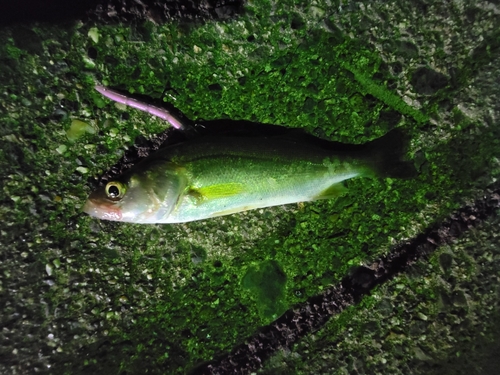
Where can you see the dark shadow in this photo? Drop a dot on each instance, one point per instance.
(51, 11)
(115, 11)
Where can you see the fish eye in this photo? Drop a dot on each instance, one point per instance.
(115, 190)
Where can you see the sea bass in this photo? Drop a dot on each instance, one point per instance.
(212, 176)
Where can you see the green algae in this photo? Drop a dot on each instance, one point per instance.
(266, 282)
(385, 95)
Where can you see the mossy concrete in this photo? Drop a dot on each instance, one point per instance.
(82, 296)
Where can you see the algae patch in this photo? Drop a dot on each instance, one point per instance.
(266, 282)
(78, 129)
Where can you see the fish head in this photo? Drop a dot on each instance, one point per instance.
(145, 196)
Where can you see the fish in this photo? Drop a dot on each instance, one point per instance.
(216, 175)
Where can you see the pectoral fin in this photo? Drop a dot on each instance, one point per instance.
(218, 191)
(333, 191)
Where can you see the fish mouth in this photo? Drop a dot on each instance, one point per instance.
(101, 210)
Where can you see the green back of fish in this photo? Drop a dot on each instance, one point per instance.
(234, 164)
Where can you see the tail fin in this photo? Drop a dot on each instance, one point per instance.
(385, 156)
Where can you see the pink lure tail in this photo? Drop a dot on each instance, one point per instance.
(148, 108)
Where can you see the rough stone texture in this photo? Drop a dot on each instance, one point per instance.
(81, 296)
(312, 315)
(453, 331)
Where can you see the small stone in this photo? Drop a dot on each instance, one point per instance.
(121, 106)
(62, 149)
(89, 64)
(82, 170)
(422, 316)
(123, 299)
(94, 34)
(77, 129)
(113, 132)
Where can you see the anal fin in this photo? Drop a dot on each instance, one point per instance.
(334, 191)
